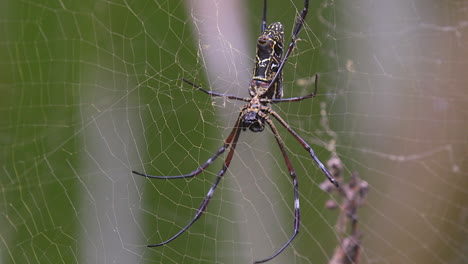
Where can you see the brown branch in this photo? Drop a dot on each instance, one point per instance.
(353, 194)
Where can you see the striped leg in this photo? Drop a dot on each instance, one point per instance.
(235, 134)
(292, 173)
(304, 144)
(204, 165)
(294, 99)
(297, 28)
(264, 23)
(217, 94)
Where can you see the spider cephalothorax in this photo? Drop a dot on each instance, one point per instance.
(265, 89)
(251, 117)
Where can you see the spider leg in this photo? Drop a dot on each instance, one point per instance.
(191, 174)
(205, 165)
(264, 23)
(215, 93)
(304, 144)
(294, 99)
(202, 208)
(292, 173)
(297, 28)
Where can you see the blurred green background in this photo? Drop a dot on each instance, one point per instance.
(92, 90)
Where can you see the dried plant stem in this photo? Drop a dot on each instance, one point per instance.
(352, 193)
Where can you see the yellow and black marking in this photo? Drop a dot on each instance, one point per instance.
(267, 61)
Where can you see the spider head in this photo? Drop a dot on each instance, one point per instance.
(253, 121)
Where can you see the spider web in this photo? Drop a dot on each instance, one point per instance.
(92, 90)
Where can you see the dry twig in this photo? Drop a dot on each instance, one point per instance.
(353, 193)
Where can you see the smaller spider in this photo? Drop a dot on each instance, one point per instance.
(265, 88)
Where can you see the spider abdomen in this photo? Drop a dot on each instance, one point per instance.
(267, 61)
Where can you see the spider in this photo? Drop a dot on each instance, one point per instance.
(265, 89)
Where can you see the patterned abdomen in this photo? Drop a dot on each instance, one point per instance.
(267, 60)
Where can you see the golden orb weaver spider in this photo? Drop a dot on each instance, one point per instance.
(265, 89)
